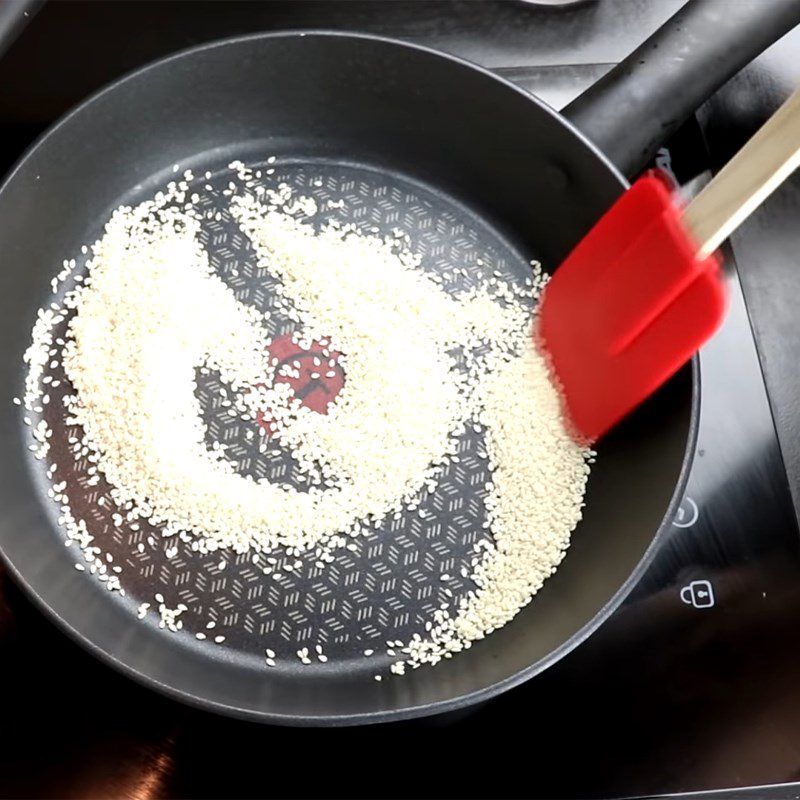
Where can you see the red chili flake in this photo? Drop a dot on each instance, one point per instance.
(312, 383)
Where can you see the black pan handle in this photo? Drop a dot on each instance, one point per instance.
(635, 107)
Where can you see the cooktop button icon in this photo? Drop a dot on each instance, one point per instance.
(699, 594)
(687, 513)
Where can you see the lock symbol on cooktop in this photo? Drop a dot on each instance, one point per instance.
(699, 594)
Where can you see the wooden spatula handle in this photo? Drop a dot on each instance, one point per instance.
(747, 179)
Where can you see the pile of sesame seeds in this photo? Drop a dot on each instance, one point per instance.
(457, 362)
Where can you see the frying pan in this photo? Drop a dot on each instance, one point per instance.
(467, 165)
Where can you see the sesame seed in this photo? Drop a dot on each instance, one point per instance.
(467, 359)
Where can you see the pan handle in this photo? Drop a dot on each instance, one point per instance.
(635, 107)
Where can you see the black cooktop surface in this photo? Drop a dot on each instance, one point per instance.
(690, 686)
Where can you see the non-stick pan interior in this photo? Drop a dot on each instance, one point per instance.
(469, 168)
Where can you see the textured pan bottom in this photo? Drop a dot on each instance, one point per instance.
(387, 587)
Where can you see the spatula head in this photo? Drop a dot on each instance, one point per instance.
(627, 308)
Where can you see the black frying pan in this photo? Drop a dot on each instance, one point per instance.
(404, 134)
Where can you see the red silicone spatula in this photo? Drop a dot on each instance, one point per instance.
(643, 290)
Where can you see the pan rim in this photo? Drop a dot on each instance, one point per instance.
(423, 709)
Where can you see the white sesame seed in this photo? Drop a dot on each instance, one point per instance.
(143, 269)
